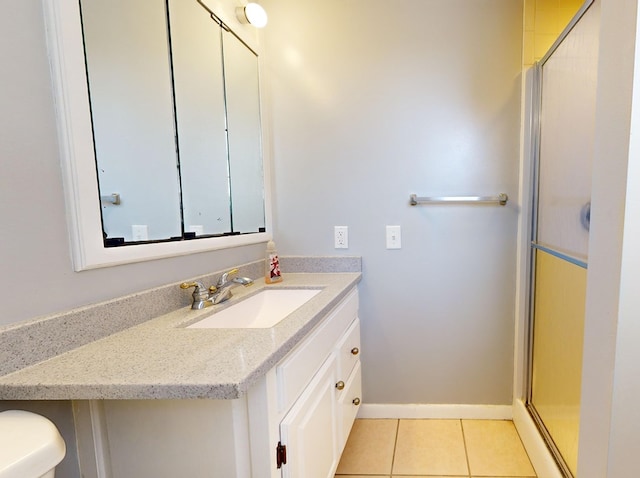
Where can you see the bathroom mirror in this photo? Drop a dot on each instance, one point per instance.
(196, 43)
(163, 117)
(174, 106)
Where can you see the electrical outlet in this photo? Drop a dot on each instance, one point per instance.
(341, 237)
(394, 238)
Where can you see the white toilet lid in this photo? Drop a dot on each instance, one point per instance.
(30, 445)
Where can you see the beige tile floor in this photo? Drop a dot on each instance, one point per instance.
(434, 449)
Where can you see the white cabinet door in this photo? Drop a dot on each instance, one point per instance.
(309, 429)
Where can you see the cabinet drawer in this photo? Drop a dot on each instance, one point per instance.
(299, 367)
(349, 350)
(347, 409)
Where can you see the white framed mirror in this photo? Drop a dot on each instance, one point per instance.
(83, 181)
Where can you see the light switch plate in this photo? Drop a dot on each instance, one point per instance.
(394, 237)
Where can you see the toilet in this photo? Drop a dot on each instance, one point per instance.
(30, 445)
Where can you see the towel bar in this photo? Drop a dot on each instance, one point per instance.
(501, 199)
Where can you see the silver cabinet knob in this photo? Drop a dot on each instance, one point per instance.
(340, 385)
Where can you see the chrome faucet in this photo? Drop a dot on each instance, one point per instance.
(223, 288)
(203, 297)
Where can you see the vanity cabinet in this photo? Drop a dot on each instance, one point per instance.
(292, 423)
(308, 433)
(315, 416)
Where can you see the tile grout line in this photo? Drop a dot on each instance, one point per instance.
(525, 450)
(466, 452)
(395, 448)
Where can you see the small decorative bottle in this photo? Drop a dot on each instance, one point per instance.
(272, 265)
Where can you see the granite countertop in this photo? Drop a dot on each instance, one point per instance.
(161, 359)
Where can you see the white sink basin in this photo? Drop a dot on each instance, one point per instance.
(260, 311)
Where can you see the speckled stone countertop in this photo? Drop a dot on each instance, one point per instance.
(161, 359)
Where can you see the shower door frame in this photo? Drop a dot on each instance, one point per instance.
(535, 147)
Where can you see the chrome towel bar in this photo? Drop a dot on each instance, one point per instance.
(501, 199)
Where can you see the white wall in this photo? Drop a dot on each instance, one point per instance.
(371, 101)
(610, 387)
(625, 417)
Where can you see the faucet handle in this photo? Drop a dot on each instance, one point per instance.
(186, 285)
(199, 290)
(225, 277)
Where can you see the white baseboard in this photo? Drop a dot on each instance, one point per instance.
(416, 411)
(539, 454)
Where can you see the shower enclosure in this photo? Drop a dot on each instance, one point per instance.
(564, 85)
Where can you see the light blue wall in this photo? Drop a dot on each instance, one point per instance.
(370, 101)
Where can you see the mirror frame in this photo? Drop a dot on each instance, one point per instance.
(75, 136)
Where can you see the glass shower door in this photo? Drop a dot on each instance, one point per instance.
(567, 83)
